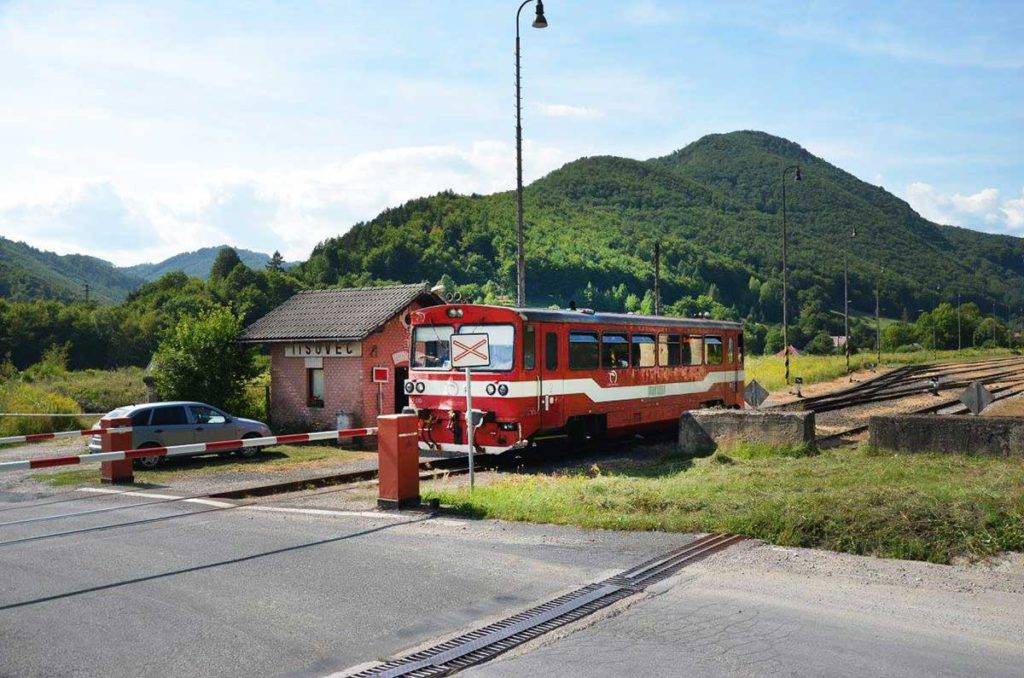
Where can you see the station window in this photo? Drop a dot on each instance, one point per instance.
(315, 386)
(551, 351)
(583, 351)
(614, 351)
(529, 347)
(713, 350)
(643, 351)
(696, 346)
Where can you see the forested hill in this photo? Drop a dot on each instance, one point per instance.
(195, 264)
(715, 206)
(27, 273)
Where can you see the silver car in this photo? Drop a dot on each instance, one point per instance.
(183, 423)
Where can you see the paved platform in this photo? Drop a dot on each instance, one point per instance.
(215, 591)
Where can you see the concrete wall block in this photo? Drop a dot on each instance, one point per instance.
(950, 434)
(704, 431)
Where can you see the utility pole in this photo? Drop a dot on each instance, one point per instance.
(657, 278)
(846, 299)
(878, 320)
(87, 293)
(959, 330)
(785, 268)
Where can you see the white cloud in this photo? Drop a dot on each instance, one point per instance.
(647, 13)
(567, 111)
(982, 209)
(272, 209)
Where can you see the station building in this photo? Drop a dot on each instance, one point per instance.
(339, 357)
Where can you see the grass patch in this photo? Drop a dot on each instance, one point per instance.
(280, 459)
(19, 397)
(920, 507)
(770, 371)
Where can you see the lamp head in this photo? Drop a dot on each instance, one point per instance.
(540, 21)
(799, 176)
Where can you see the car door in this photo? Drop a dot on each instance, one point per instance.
(211, 425)
(171, 425)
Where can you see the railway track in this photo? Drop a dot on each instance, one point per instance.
(910, 381)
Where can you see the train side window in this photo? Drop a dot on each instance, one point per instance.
(529, 347)
(713, 350)
(696, 349)
(614, 351)
(643, 350)
(551, 351)
(669, 350)
(583, 351)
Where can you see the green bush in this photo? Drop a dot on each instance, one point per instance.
(201, 359)
(18, 397)
(99, 390)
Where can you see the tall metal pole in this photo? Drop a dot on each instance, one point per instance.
(539, 22)
(657, 278)
(959, 332)
(878, 322)
(785, 269)
(846, 306)
(470, 429)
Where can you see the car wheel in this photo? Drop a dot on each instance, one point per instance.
(250, 452)
(148, 463)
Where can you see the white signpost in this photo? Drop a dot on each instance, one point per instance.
(469, 351)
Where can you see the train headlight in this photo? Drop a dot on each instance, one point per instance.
(409, 387)
(454, 312)
(491, 388)
(420, 387)
(503, 390)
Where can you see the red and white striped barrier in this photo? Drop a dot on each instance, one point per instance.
(179, 450)
(36, 437)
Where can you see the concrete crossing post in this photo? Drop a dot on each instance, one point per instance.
(398, 461)
(116, 472)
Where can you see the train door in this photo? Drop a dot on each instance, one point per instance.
(551, 386)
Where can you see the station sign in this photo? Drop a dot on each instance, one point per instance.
(381, 375)
(470, 350)
(324, 349)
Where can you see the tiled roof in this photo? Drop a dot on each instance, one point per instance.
(343, 314)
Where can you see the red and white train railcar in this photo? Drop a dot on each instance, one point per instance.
(567, 373)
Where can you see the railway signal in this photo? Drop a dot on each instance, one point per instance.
(976, 397)
(469, 351)
(755, 394)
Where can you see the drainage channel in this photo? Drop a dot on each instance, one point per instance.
(490, 641)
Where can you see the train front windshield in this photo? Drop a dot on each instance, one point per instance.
(431, 346)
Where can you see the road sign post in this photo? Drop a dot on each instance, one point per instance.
(469, 351)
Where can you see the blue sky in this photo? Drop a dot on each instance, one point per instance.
(134, 131)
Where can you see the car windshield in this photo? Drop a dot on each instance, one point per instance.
(430, 347)
(501, 340)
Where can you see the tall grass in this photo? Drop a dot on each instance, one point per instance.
(97, 390)
(770, 371)
(28, 398)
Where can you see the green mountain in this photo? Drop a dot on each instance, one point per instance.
(27, 273)
(194, 264)
(715, 207)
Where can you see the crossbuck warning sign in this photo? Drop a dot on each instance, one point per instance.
(470, 350)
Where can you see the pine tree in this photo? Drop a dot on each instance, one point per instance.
(276, 262)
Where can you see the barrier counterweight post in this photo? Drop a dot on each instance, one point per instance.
(398, 461)
(116, 472)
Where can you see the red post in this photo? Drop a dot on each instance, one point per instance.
(398, 461)
(116, 472)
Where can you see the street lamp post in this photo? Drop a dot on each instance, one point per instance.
(539, 22)
(785, 266)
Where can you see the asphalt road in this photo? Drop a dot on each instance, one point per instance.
(758, 610)
(246, 591)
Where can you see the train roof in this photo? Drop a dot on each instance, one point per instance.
(602, 318)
